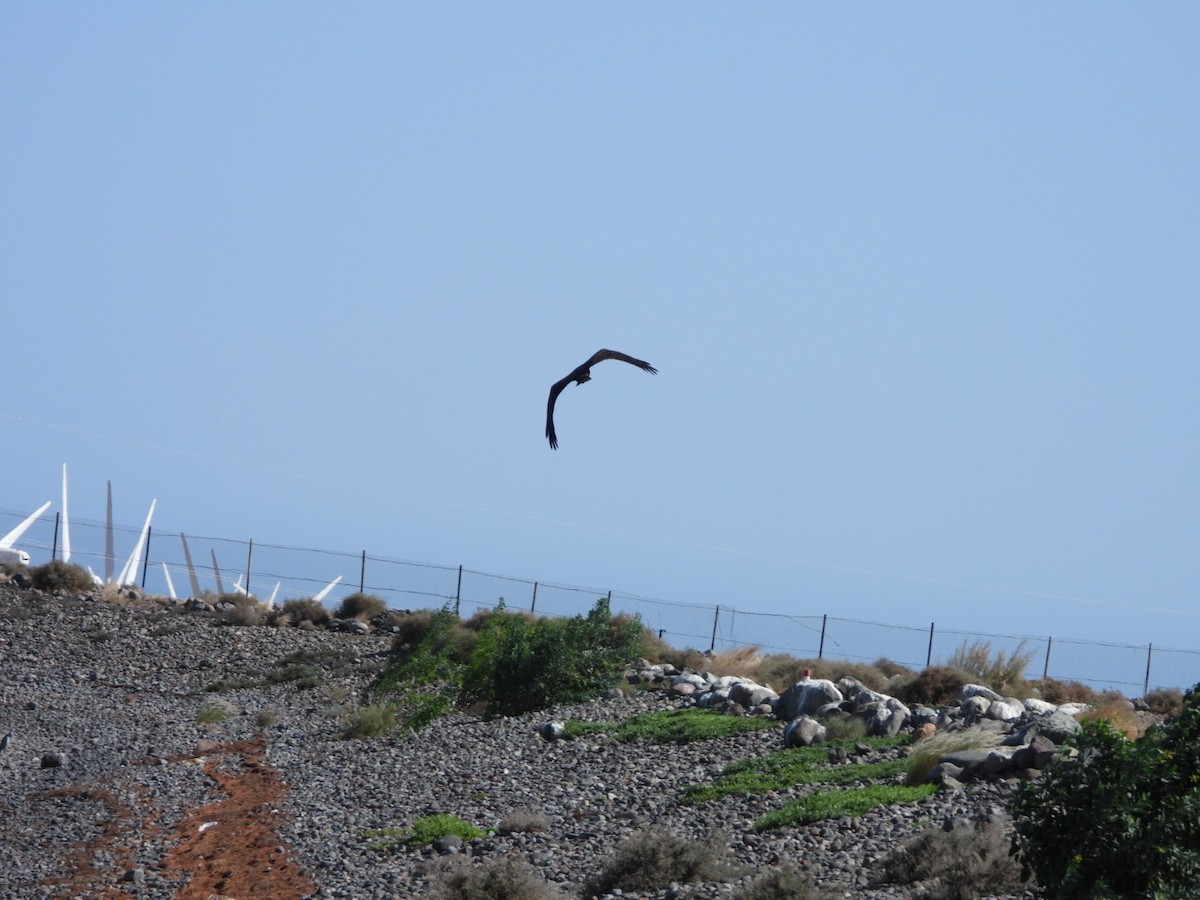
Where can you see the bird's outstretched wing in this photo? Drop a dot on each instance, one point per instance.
(554, 392)
(601, 355)
(580, 374)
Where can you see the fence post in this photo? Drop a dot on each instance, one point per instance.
(146, 561)
(533, 603)
(249, 560)
(54, 549)
(929, 652)
(458, 593)
(1146, 683)
(821, 650)
(1046, 664)
(713, 643)
(362, 573)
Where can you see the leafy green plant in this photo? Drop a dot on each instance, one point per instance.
(423, 832)
(651, 860)
(519, 665)
(836, 804)
(1121, 818)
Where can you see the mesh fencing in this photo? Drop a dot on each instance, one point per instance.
(222, 565)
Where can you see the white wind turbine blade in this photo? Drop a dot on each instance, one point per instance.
(217, 573)
(238, 589)
(191, 569)
(129, 573)
(170, 583)
(13, 536)
(66, 525)
(95, 577)
(108, 541)
(325, 590)
(274, 593)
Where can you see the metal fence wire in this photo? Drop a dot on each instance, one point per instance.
(222, 565)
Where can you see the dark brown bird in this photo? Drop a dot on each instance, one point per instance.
(579, 376)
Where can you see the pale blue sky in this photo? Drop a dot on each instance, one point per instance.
(920, 283)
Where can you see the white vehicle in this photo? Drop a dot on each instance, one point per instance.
(8, 554)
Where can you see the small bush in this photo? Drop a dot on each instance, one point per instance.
(57, 575)
(1119, 714)
(651, 860)
(1164, 701)
(782, 884)
(360, 606)
(213, 713)
(961, 864)
(423, 832)
(934, 686)
(522, 820)
(1004, 674)
(1121, 817)
(837, 804)
(1059, 692)
(241, 609)
(267, 718)
(295, 612)
(508, 879)
(369, 722)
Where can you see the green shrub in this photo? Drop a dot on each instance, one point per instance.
(1122, 818)
(424, 831)
(57, 575)
(671, 726)
(961, 864)
(360, 606)
(212, 713)
(651, 860)
(369, 722)
(519, 665)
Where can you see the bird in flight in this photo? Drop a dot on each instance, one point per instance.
(581, 374)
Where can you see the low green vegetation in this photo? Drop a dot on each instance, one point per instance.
(673, 726)
(836, 804)
(370, 721)
(784, 769)
(1122, 817)
(422, 833)
(505, 663)
(212, 713)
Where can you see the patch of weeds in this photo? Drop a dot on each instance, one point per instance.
(212, 713)
(522, 820)
(267, 718)
(651, 860)
(782, 884)
(675, 726)
(303, 676)
(925, 754)
(961, 864)
(784, 769)
(837, 804)
(508, 879)
(369, 722)
(422, 833)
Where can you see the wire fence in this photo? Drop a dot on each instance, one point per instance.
(222, 565)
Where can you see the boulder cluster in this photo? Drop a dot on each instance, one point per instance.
(1006, 736)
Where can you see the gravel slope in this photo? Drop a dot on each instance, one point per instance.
(147, 802)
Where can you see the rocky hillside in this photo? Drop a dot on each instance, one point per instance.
(156, 753)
